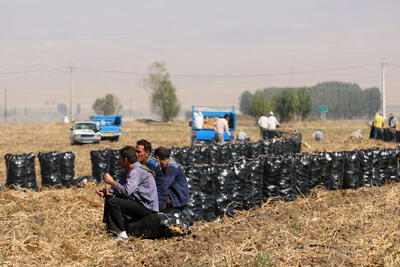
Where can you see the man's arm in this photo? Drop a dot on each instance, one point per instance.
(227, 128)
(126, 189)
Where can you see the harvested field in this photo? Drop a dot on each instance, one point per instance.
(63, 227)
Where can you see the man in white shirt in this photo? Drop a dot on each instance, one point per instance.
(263, 124)
(272, 122)
(220, 126)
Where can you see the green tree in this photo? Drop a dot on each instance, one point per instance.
(163, 94)
(244, 102)
(305, 103)
(108, 105)
(286, 103)
(259, 105)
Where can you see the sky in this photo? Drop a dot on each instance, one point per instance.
(213, 50)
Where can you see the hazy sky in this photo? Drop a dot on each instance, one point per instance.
(214, 50)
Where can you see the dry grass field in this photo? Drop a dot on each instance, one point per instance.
(327, 228)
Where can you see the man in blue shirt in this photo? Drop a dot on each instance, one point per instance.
(135, 196)
(173, 181)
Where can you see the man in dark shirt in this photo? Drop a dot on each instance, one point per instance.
(173, 181)
(134, 196)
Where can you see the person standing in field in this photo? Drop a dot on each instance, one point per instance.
(220, 126)
(132, 198)
(393, 127)
(378, 124)
(263, 124)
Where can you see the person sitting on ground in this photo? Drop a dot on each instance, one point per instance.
(356, 135)
(133, 197)
(242, 137)
(378, 124)
(174, 181)
(143, 151)
(318, 135)
(220, 126)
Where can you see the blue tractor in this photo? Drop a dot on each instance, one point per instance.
(203, 118)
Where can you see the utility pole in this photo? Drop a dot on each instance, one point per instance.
(71, 109)
(383, 90)
(5, 105)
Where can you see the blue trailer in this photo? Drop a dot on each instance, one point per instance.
(109, 126)
(200, 134)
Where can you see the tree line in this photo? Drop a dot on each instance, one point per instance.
(343, 100)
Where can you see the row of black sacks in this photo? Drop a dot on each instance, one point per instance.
(56, 169)
(217, 190)
(221, 154)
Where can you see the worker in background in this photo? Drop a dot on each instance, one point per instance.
(174, 181)
(393, 127)
(356, 135)
(263, 124)
(378, 124)
(272, 124)
(220, 126)
(318, 135)
(242, 137)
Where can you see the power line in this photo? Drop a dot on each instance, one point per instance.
(198, 75)
(31, 71)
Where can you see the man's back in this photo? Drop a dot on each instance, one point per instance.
(378, 121)
(221, 125)
(272, 122)
(178, 189)
(263, 122)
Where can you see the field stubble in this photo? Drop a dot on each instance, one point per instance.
(63, 227)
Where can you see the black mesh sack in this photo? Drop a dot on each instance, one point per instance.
(240, 183)
(272, 176)
(115, 169)
(316, 166)
(366, 163)
(164, 225)
(50, 168)
(194, 206)
(287, 188)
(100, 163)
(67, 168)
(301, 172)
(351, 178)
(214, 153)
(255, 185)
(224, 185)
(21, 171)
(207, 195)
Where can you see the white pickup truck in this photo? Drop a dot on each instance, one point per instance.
(85, 132)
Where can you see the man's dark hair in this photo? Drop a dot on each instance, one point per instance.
(226, 116)
(162, 153)
(146, 144)
(129, 153)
